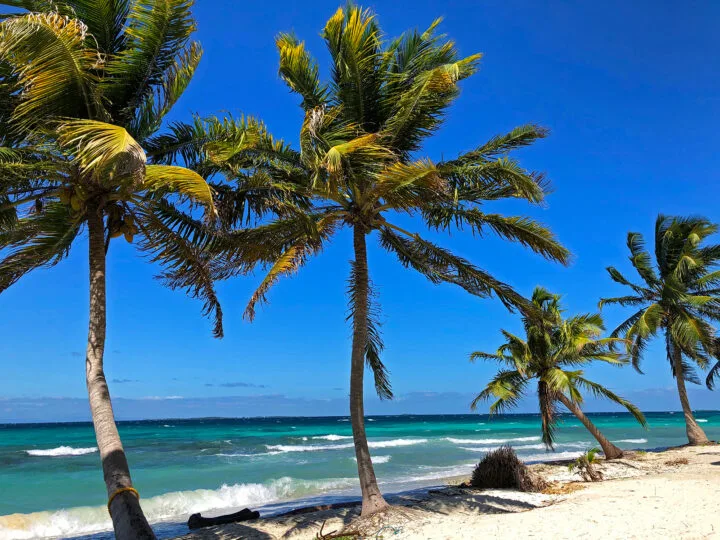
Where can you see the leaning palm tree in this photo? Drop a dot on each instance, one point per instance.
(356, 168)
(551, 351)
(86, 84)
(679, 297)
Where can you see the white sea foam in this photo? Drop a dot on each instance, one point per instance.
(62, 451)
(702, 420)
(396, 442)
(176, 505)
(490, 441)
(378, 459)
(322, 447)
(332, 437)
(632, 441)
(306, 447)
(538, 446)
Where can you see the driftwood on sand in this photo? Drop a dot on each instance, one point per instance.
(196, 521)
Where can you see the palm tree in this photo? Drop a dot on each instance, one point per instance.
(356, 168)
(551, 351)
(678, 297)
(85, 85)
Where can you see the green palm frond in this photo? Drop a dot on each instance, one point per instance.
(158, 103)
(525, 231)
(640, 259)
(156, 32)
(501, 178)
(500, 145)
(97, 145)
(439, 265)
(600, 391)
(300, 71)
(290, 256)
(353, 39)
(507, 388)
(622, 301)
(55, 68)
(181, 181)
(41, 239)
(176, 242)
(105, 20)
(712, 376)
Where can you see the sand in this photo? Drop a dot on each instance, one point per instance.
(647, 495)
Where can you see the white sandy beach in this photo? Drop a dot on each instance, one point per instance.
(653, 495)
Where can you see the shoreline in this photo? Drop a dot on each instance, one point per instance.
(448, 511)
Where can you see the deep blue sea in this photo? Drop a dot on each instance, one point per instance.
(51, 482)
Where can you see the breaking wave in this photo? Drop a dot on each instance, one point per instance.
(332, 437)
(322, 447)
(176, 505)
(491, 441)
(62, 451)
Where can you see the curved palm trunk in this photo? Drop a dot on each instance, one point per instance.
(372, 499)
(609, 449)
(128, 519)
(695, 433)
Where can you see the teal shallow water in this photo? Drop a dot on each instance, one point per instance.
(51, 472)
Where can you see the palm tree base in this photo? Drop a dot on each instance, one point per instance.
(373, 505)
(697, 437)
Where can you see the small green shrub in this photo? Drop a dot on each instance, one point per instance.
(585, 466)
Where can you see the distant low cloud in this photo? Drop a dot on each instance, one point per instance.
(157, 407)
(237, 385)
(124, 381)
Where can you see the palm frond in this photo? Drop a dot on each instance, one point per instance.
(39, 240)
(439, 265)
(156, 32)
(96, 146)
(507, 388)
(300, 71)
(176, 241)
(525, 231)
(55, 68)
(374, 345)
(181, 181)
(600, 391)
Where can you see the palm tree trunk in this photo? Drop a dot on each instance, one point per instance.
(372, 499)
(609, 449)
(695, 433)
(128, 519)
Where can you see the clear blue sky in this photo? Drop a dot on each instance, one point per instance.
(631, 92)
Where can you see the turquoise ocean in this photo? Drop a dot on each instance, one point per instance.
(50, 476)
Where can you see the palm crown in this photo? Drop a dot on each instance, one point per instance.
(85, 86)
(355, 165)
(553, 349)
(679, 295)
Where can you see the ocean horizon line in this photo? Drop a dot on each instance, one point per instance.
(337, 416)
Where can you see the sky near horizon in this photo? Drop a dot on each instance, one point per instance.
(631, 94)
